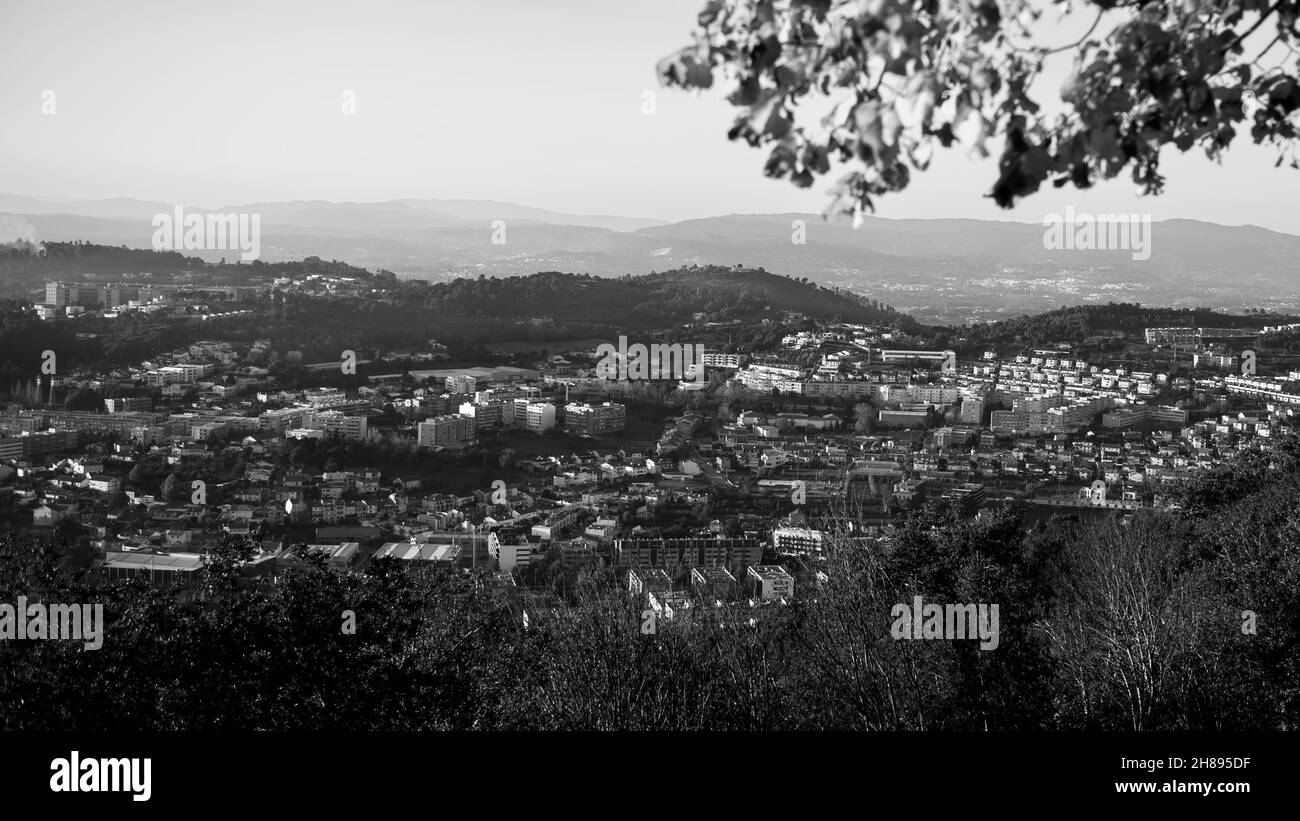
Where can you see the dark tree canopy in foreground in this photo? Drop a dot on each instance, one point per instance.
(910, 74)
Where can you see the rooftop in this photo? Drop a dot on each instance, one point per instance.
(419, 552)
(174, 561)
(769, 571)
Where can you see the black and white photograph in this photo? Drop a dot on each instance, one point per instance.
(769, 398)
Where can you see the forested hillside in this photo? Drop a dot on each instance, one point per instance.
(655, 299)
(651, 300)
(24, 265)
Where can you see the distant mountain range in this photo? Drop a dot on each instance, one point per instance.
(943, 270)
(389, 216)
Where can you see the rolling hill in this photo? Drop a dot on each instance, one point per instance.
(943, 270)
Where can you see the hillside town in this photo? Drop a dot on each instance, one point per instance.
(726, 483)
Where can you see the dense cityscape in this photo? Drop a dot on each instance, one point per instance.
(720, 485)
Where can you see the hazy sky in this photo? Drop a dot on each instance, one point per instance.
(537, 102)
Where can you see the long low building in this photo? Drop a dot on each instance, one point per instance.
(433, 554)
(162, 569)
(32, 445)
(491, 373)
(83, 421)
(1261, 386)
(1144, 414)
(905, 356)
(692, 551)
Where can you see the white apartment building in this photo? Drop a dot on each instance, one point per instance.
(722, 360)
(187, 374)
(797, 540)
(450, 430)
(537, 417)
(509, 550)
(334, 423)
(460, 383)
(771, 581)
(607, 417)
(324, 397)
(766, 377)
